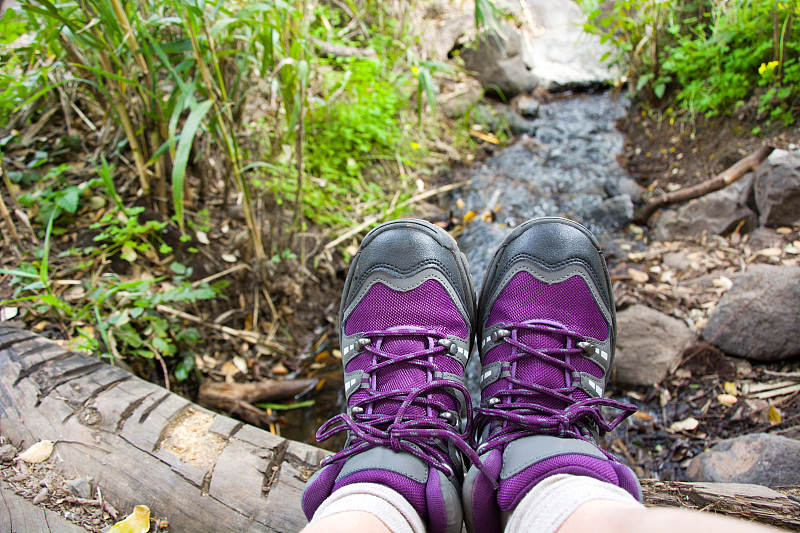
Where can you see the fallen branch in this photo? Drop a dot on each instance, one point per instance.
(238, 398)
(728, 176)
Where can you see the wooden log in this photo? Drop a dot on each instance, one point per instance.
(141, 444)
(206, 472)
(728, 176)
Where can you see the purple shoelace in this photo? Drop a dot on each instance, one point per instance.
(514, 417)
(405, 431)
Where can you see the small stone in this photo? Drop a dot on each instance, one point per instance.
(7, 453)
(648, 343)
(42, 496)
(80, 487)
(758, 458)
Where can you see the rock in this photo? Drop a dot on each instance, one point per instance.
(449, 33)
(80, 487)
(526, 105)
(777, 189)
(559, 54)
(716, 213)
(759, 316)
(760, 458)
(677, 260)
(648, 342)
(499, 65)
(624, 185)
(611, 214)
(761, 238)
(7, 453)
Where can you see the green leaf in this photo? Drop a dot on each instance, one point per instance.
(182, 155)
(285, 407)
(161, 345)
(68, 199)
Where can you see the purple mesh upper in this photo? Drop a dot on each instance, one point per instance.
(428, 306)
(412, 490)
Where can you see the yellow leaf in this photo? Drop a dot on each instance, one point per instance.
(730, 388)
(774, 415)
(726, 399)
(469, 216)
(460, 203)
(136, 522)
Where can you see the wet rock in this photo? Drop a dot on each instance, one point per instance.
(648, 343)
(777, 189)
(7, 453)
(716, 213)
(556, 49)
(501, 117)
(499, 65)
(80, 487)
(760, 458)
(624, 185)
(611, 214)
(526, 105)
(759, 316)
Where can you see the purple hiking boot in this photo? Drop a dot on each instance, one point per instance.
(546, 332)
(406, 332)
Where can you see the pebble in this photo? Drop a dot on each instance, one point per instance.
(80, 487)
(7, 453)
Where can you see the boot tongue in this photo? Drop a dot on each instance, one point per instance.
(534, 369)
(404, 375)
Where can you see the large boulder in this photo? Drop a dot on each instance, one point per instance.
(716, 213)
(648, 343)
(759, 316)
(557, 50)
(760, 458)
(498, 63)
(777, 189)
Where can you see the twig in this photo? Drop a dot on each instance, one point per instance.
(247, 336)
(776, 392)
(237, 268)
(414, 199)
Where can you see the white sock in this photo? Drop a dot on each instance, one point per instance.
(389, 506)
(551, 502)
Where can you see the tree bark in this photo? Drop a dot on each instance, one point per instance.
(728, 176)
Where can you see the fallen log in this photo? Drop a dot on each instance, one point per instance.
(205, 472)
(140, 444)
(238, 398)
(728, 176)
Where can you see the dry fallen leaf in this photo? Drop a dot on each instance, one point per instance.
(136, 522)
(770, 252)
(460, 203)
(643, 415)
(202, 237)
(469, 215)
(726, 399)
(723, 283)
(229, 258)
(783, 230)
(638, 276)
(38, 452)
(689, 424)
(774, 415)
(280, 370)
(730, 388)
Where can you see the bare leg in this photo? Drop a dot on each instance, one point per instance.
(349, 522)
(600, 516)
